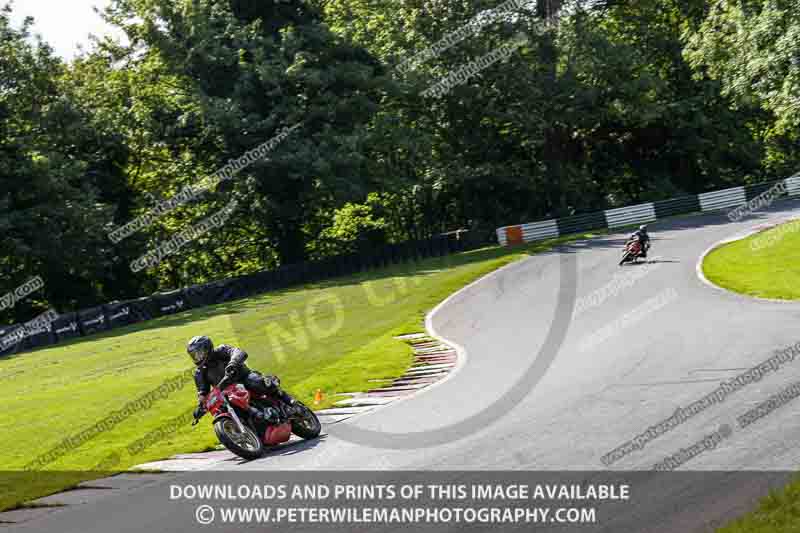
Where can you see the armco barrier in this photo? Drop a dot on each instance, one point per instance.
(751, 191)
(676, 206)
(635, 214)
(66, 327)
(793, 185)
(711, 201)
(168, 303)
(542, 230)
(578, 223)
(640, 213)
(12, 348)
(41, 338)
(118, 314)
(92, 320)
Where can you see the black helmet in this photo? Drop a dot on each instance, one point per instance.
(198, 348)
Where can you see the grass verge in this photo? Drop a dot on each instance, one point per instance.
(765, 265)
(779, 512)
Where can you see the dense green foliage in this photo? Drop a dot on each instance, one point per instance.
(754, 48)
(608, 103)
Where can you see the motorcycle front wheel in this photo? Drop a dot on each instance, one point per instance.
(246, 445)
(305, 423)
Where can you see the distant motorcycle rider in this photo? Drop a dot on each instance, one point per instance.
(644, 239)
(223, 366)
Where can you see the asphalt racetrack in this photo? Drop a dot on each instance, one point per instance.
(539, 389)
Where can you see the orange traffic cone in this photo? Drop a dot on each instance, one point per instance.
(318, 396)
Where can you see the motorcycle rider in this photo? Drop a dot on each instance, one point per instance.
(224, 365)
(643, 237)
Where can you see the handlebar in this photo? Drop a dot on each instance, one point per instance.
(205, 409)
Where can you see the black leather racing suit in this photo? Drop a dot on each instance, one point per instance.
(644, 239)
(212, 372)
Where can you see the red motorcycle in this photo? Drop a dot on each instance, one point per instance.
(247, 435)
(633, 249)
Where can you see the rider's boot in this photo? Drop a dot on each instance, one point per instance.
(286, 398)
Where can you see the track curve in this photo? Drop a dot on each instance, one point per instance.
(594, 398)
(598, 391)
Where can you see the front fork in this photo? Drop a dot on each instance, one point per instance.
(235, 417)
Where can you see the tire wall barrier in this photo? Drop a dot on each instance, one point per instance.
(641, 213)
(102, 318)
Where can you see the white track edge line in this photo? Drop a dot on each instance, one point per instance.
(701, 275)
(461, 352)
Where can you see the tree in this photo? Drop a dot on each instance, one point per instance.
(51, 211)
(753, 48)
(355, 228)
(258, 67)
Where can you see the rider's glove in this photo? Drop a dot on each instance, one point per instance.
(231, 369)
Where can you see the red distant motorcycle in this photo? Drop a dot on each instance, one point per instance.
(247, 435)
(633, 249)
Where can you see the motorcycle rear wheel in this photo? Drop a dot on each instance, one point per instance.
(246, 445)
(306, 425)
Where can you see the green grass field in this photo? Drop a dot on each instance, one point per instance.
(332, 336)
(766, 265)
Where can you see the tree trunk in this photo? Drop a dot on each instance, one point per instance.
(291, 243)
